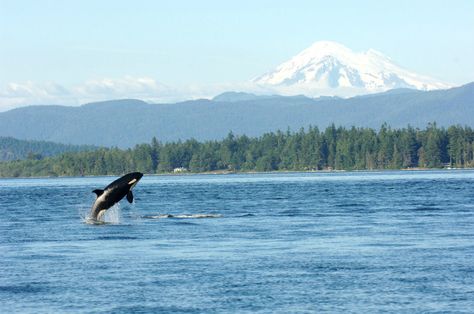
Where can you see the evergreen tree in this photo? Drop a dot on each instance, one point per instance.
(336, 148)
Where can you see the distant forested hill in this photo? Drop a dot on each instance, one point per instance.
(125, 123)
(333, 148)
(14, 149)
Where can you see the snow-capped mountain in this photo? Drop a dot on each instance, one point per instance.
(329, 68)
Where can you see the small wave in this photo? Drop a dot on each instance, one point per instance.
(21, 289)
(183, 216)
(246, 215)
(344, 205)
(116, 238)
(427, 208)
(289, 213)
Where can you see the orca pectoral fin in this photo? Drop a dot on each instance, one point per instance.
(130, 197)
(99, 192)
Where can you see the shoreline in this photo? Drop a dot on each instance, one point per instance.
(229, 172)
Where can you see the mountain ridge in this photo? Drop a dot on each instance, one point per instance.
(125, 123)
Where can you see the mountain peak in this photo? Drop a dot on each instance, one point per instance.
(330, 68)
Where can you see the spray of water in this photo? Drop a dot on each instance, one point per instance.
(113, 215)
(83, 211)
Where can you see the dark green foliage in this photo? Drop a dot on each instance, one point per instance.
(14, 149)
(334, 148)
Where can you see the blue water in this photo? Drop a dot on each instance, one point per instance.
(271, 243)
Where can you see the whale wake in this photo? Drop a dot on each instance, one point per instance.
(182, 216)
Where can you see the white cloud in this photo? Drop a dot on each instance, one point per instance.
(127, 86)
(196, 91)
(143, 88)
(29, 89)
(29, 93)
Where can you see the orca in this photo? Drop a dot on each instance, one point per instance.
(113, 193)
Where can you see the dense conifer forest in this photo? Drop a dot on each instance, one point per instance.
(335, 148)
(15, 149)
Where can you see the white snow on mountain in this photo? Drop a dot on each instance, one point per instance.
(329, 68)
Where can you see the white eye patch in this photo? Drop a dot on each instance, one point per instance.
(133, 181)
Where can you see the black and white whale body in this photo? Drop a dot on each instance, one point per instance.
(113, 193)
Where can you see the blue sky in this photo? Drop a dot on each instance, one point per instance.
(56, 45)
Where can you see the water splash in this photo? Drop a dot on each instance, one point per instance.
(113, 215)
(83, 211)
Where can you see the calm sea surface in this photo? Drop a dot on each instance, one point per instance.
(271, 243)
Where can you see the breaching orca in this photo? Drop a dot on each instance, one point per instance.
(113, 193)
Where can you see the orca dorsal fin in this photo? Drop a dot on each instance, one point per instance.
(130, 197)
(99, 192)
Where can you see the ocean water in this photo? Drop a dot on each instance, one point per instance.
(358, 242)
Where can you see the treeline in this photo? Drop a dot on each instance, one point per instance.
(311, 149)
(15, 149)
